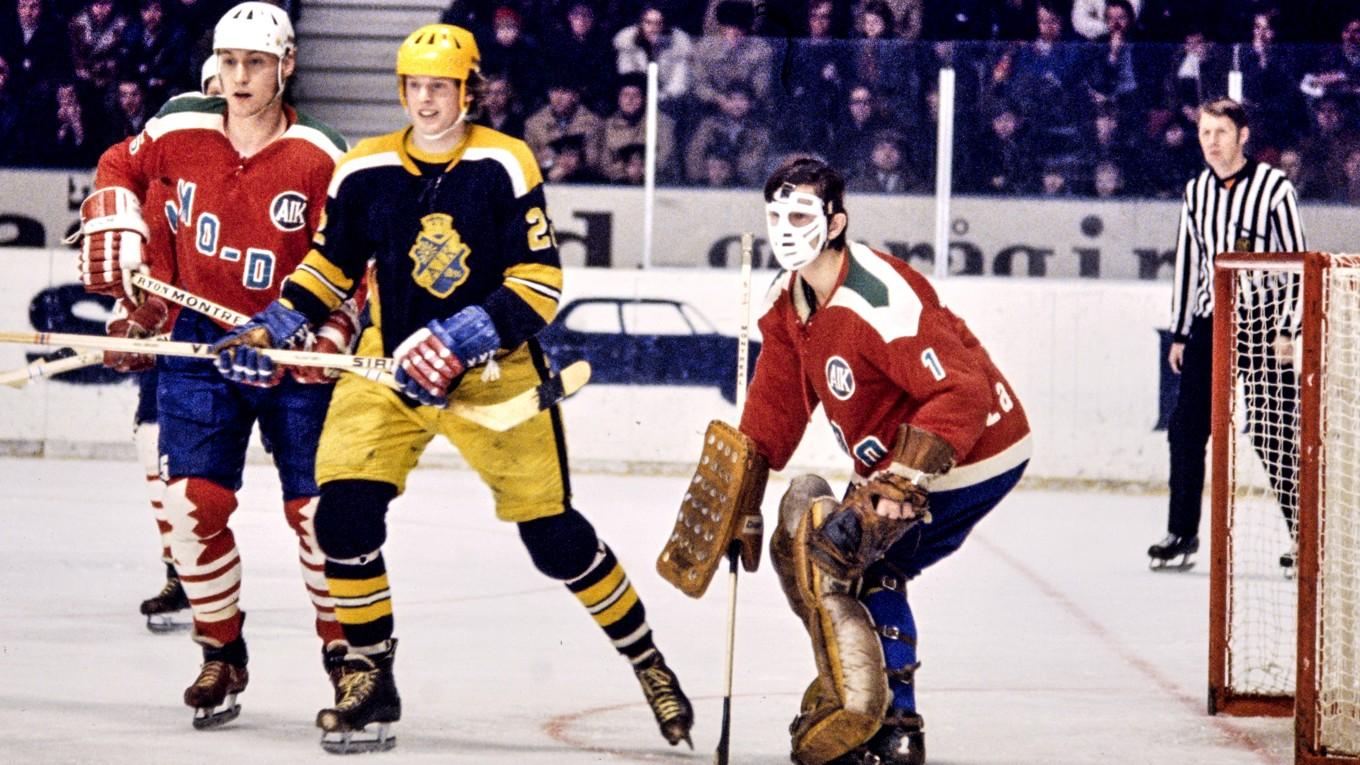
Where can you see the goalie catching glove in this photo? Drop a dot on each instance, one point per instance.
(138, 321)
(112, 234)
(877, 513)
(431, 362)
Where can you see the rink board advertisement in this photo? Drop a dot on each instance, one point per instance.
(602, 226)
(1084, 358)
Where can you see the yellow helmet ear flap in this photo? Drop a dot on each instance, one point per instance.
(437, 50)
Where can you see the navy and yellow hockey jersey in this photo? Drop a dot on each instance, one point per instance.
(444, 233)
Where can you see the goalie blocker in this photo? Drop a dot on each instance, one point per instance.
(722, 506)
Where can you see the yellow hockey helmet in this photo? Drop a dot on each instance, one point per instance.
(437, 50)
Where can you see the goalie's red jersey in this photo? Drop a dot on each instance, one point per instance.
(882, 352)
(237, 226)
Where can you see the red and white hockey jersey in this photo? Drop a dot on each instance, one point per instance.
(237, 226)
(882, 352)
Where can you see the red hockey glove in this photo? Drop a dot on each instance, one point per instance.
(131, 320)
(111, 247)
(338, 334)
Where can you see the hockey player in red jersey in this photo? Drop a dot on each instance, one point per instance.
(164, 610)
(246, 180)
(937, 439)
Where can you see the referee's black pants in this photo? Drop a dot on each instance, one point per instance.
(1270, 391)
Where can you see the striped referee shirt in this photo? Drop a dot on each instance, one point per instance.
(1256, 210)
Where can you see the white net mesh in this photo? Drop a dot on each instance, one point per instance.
(1338, 660)
(1263, 481)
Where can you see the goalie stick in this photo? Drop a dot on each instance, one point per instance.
(499, 417)
(734, 549)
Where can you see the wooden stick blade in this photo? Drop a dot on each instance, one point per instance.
(48, 368)
(519, 409)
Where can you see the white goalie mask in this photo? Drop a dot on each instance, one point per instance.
(795, 246)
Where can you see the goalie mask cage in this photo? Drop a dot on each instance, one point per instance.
(1286, 478)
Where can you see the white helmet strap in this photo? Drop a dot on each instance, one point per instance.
(795, 246)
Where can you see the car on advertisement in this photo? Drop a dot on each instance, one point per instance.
(645, 341)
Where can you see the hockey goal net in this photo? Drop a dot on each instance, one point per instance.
(1285, 572)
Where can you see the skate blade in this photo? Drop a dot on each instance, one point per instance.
(1166, 566)
(377, 737)
(162, 624)
(205, 718)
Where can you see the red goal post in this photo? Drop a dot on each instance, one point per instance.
(1286, 463)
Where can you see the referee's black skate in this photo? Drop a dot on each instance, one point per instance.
(674, 714)
(168, 610)
(1162, 556)
(361, 720)
(222, 676)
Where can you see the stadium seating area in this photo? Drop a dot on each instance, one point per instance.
(1090, 98)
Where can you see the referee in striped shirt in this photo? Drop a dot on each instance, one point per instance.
(1236, 204)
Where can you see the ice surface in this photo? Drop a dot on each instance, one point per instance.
(1044, 640)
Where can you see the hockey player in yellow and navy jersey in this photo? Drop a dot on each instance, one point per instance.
(464, 274)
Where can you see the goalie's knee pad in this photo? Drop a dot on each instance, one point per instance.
(562, 546)
(351, 517)
(845, 705)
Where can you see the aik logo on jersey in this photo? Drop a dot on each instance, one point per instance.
(839, 379)
(440, 255)
(288, 211)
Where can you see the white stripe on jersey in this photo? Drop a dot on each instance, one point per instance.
(188, 120)
(901, 317)
(518, 181)
(361, 163)
(315, 137)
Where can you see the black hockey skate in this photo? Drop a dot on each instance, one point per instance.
(674, 714)
(222, 676)
(1162, 556)
(333, 661)
(166, 611)
(901, 741)
(368, 704)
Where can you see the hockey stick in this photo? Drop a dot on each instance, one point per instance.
(44, 368)
(220, 312)
(369, 366)
(734, 549)
(47, 368)
(500, 416)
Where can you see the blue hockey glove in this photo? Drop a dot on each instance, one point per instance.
(434, 357)
(277, 326)
(244, 364)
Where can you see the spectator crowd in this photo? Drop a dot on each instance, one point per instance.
(1091, 98)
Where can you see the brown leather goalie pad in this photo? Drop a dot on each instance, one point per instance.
(845, 704)
(721, 506)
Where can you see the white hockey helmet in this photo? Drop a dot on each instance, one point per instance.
(255, 26)
(211, 68)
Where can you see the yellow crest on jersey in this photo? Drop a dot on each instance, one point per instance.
(440, 255)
